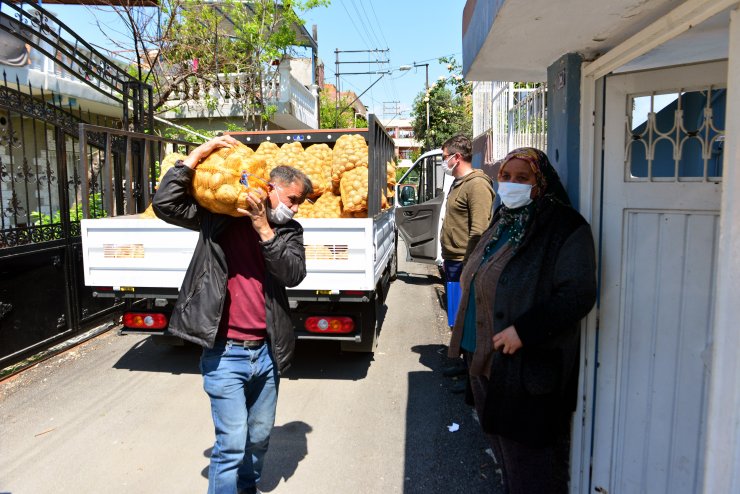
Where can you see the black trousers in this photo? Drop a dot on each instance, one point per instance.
(527, 469)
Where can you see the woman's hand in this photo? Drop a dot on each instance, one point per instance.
(257, 212)
(204, 150)
(507, 341)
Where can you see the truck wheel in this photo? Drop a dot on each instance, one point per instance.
(370, 329)
(394, 265)
(394, 261)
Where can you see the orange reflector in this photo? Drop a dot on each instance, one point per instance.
(145, 320)
(329, 324)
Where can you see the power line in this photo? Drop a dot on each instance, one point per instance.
(357, 30)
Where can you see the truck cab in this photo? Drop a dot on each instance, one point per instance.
(420, 206)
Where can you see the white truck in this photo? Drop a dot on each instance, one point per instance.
(350, 261)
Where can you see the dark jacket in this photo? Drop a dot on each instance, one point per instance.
(546, 288)
(200, 303)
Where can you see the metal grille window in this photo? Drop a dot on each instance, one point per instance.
(513, 113)
(675, 137)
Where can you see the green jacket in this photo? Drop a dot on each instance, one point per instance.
(468, 215)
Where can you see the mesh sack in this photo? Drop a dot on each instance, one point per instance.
(166, 163)
(327, 206)
(350, 152)
(267, 152)
(290, 154)
(305, 210)
(391, 173)
(318, 167)
(216, 183)
(353, 187)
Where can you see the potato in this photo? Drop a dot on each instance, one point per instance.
(216, 183)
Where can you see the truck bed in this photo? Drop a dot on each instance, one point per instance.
(130, 253)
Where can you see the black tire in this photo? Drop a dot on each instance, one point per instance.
(394, 262)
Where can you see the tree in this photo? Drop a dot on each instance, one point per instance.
(328, 114)
(450, 108)
(230, 47)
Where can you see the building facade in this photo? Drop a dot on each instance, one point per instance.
(642, 126)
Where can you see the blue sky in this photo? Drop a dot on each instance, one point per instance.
(414, 30)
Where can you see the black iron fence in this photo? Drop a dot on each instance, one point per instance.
(58, 165)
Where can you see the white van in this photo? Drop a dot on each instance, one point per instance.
(421, 196)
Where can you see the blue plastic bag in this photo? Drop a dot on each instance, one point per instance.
(454, 292)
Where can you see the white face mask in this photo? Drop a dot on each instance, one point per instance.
(446, 166)
(281, 214)
(514, 195)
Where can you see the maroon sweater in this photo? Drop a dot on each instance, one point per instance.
(243, 317)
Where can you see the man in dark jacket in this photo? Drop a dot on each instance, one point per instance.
(233, 303)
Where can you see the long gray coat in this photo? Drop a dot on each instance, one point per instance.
(200, 303)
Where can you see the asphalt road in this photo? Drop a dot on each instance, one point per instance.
(119, 414)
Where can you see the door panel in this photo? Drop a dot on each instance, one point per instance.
(660, 201)
(418, 214)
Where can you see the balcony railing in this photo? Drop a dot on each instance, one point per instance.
(297, 106)
(512, 114)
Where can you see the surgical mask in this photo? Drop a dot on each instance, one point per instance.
(281, 214)
(514, 195)
(446, 166)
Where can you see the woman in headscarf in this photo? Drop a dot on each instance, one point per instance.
(526, 286)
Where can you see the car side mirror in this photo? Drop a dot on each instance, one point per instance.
(407, 195)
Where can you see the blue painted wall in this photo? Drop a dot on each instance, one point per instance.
(564, 120)
(480, 23)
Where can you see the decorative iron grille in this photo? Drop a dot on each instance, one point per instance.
(675, 136)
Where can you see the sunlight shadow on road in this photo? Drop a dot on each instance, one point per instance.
(436, 460)
(418, 279)
(288, 447)
(324, 360)
(147, 356)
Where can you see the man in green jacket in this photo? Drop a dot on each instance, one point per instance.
(468, 214)
(469, 205)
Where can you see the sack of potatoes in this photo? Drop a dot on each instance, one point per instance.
(167, 162)
(350, 152)
(327, 206)
(305, 210)
(390, 172)
(217, 183)
(267, 151)
(318, 167)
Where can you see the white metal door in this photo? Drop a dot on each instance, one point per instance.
(663, 142)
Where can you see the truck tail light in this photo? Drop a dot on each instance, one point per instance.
(329, 324)
(145, 320)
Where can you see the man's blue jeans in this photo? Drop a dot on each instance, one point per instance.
(242, 384)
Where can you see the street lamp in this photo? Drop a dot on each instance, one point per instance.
(426, 84)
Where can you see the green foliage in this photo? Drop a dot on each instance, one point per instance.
(75, 214)
(450, 108)
(205, 44)
(328, 114)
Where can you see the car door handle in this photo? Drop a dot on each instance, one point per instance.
(408, 213)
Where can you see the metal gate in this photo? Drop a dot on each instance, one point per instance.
(54, 160)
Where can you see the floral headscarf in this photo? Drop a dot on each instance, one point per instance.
(549, 188)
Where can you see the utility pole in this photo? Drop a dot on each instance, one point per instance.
(337, 63)
(426, 97)
(391, 108)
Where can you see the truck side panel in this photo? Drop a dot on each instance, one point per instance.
(125, 251)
